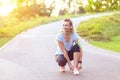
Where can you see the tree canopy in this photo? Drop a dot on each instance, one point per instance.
(102, 5)
(28, 8)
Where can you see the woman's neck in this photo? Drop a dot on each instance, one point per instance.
(66, 34)
(67, 37)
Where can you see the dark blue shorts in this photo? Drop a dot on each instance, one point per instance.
(61, 59)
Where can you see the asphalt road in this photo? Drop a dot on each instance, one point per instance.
(30, 56)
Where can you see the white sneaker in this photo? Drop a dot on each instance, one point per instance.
(62, 69)
(76, 71)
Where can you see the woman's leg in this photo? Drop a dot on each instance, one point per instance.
(76, 57)
(76, 54)
(61, 61)
(80, 60)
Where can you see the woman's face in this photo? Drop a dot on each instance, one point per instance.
(67, 27)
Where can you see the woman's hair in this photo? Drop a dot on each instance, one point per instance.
(70, 22)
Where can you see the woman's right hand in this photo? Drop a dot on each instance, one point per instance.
(71, 66)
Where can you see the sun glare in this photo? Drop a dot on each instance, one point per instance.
(6, 7)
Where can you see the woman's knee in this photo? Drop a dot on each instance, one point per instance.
(61, 60)
(62, 63)
(76, 48)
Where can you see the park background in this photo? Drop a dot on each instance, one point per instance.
(17, 16)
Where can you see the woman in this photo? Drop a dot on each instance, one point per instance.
(68, 48)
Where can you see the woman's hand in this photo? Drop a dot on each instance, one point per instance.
(71, 66)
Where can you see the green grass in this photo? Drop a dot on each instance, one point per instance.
(100, 29)
(4, 41)
(103, 32)
(113, 45)
(12, 30)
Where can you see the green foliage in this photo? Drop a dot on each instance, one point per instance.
(112, 5)
(7, 24)
(100, 29)
(30, 8)
(102, 5)
(93, 6)
(4, 40)
(11, 28)
(113, 45)
(1, 21)
(102, 32)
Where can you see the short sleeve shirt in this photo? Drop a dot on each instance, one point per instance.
(67, 45)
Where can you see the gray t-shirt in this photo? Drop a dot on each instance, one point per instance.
(67, 45)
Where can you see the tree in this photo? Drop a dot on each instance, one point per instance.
(102, 5)
(112, 4)
(81, 6)
(30, 8)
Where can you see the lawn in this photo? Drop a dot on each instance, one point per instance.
(4, 41)
(102, 32)
(113, 45)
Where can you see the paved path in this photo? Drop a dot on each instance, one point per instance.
(30, 56)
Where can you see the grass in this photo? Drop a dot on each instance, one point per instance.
(103, 32)
(113, 45)
(4, 41)
(100, 29)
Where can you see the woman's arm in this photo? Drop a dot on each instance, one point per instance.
(60, 44)
(78, 42)
(81, 53)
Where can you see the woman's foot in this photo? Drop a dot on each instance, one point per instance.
(62, 69)
(76, 71)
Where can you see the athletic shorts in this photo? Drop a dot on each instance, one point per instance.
(61, 59)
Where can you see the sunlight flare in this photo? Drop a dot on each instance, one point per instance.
(6, 7)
